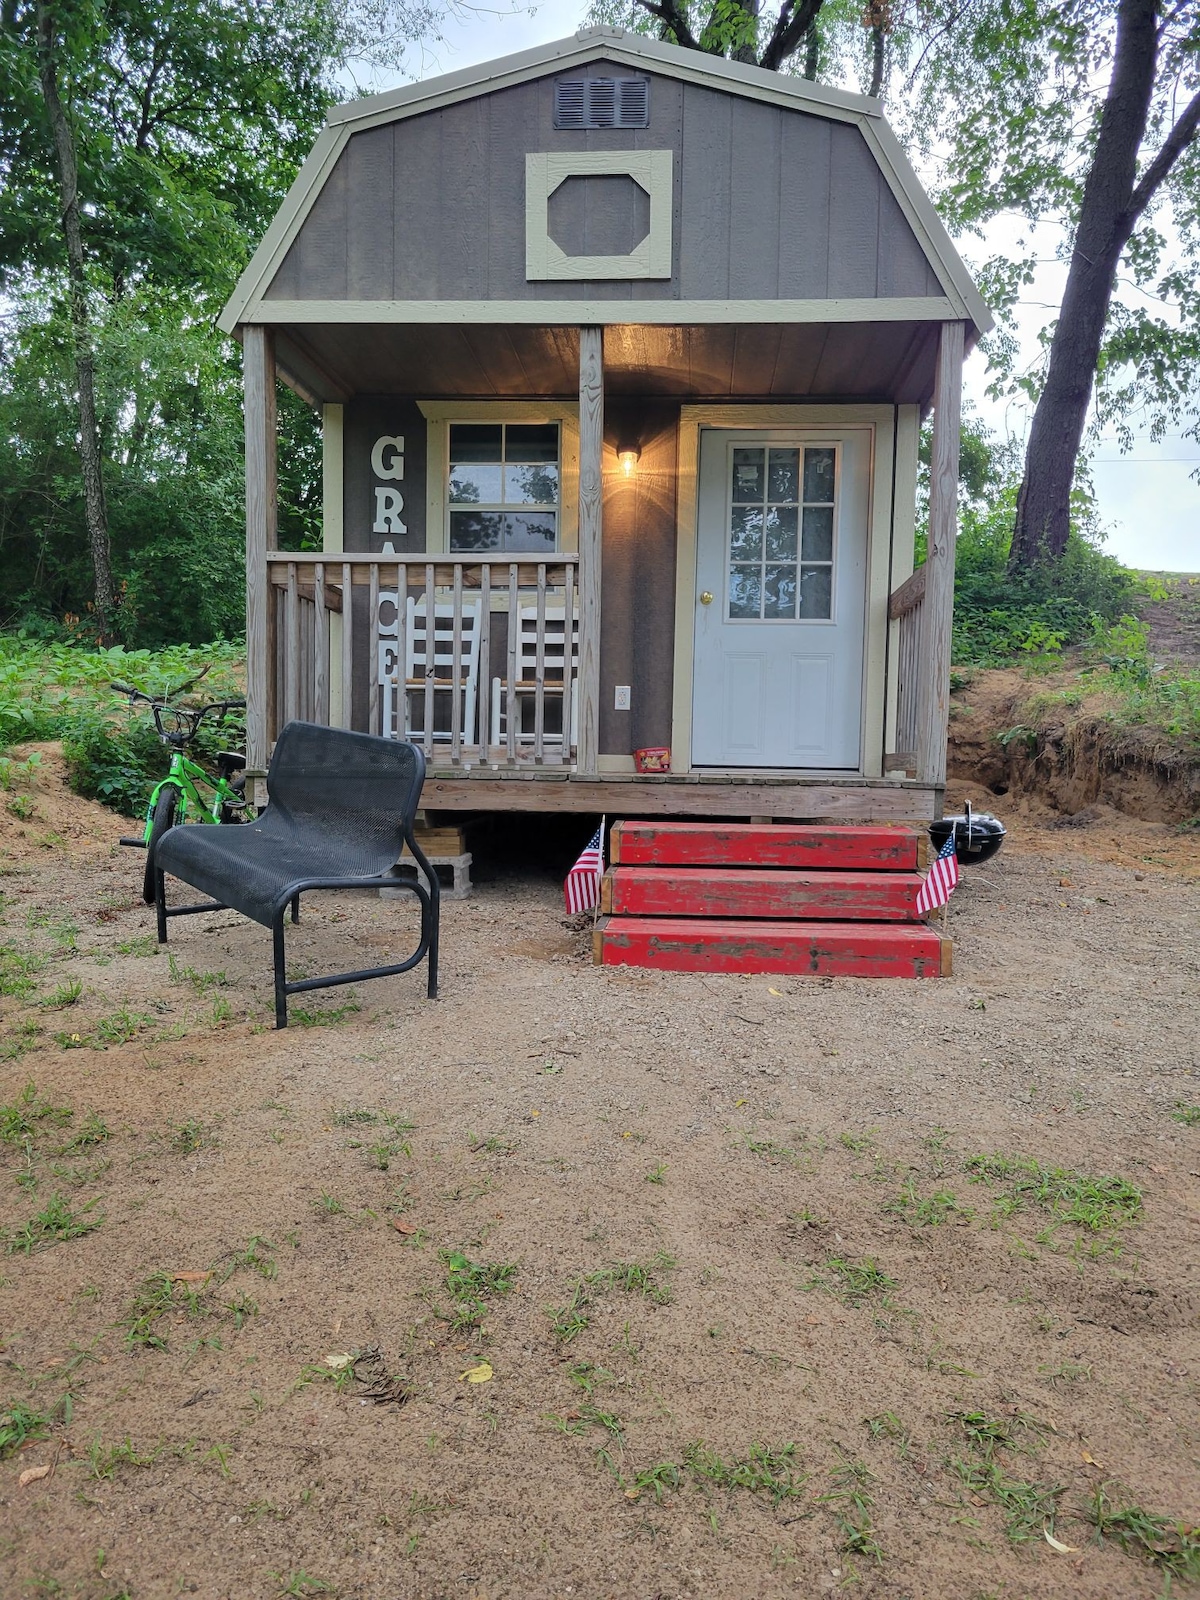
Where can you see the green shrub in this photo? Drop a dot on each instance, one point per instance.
(1000, 617)
(59, 691)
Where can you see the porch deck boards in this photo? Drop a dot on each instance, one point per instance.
(818, 949)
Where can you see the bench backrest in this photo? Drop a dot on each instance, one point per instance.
(351, 786)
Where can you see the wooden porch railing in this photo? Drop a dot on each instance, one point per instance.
(905, 607)
(494, 678)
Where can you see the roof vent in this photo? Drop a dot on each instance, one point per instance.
(602, 103)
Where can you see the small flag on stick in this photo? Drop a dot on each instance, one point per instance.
(582, 888)
(942, 878)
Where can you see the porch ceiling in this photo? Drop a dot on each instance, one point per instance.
(882, 361)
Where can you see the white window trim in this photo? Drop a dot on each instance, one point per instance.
(439, 414)
(545, 171)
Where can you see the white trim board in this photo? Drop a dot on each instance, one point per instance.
(546, 171)
(878, 419)
(615, 45)
(624, 313)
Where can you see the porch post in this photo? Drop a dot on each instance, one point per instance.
(933, 711)
(591, 445)
(258, 366)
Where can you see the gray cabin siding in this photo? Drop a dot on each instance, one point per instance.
(768, 203)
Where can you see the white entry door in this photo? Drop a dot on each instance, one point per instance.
(781, 562)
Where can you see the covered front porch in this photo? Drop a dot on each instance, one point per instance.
(515, 693)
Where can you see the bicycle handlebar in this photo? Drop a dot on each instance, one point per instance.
(187, 718)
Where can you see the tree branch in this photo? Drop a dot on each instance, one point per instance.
(669, 13)
(1176, 142)
(790, 28)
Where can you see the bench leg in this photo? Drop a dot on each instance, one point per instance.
(281, 1016)
(160, 904)
(295, 908)
(430, 916)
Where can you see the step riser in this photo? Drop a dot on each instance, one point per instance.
(802, 949)
(881, 849)
(732, 893)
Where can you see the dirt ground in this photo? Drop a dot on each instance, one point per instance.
(767, 1330)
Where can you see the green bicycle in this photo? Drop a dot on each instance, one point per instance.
(178, 798)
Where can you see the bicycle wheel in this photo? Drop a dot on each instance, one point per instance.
(164, 818)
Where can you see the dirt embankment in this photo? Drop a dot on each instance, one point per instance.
(1064, 738)
(1012, 736)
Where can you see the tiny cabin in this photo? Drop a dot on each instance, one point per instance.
(621, 352)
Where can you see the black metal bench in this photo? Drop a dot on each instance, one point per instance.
(341, 811)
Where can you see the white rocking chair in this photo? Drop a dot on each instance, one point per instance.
(560, 666)
(403, 698)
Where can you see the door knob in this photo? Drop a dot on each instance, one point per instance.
(706, 598)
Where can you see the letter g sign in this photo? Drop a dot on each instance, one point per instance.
(387, 457)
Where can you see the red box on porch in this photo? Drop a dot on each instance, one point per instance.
(654, 758)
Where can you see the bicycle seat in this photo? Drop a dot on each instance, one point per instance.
(230, 758)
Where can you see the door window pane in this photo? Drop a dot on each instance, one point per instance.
(783, 475)
(779, 592)
(509, 474)
(818, 533)
(818, 475)
(781, 514)
(816, 592)
(747, 476)
(745, 592)
(745, 535)
(781, 533)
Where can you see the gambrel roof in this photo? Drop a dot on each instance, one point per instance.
(791, 202)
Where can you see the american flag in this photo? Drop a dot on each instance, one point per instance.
(942, 878)
(582, 888)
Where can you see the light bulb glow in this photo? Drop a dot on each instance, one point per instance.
(628, 460)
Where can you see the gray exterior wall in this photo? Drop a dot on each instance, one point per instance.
(769, 203)
(364, 420)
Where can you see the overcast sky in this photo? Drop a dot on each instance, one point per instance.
(1149, 502)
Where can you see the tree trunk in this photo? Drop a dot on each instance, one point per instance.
(89, 433)
(1106, 220)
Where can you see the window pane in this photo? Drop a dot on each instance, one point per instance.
(781, 533)
(476, 441)
(779, 593)
(536, 442)
(816, 591)
(476, 530)
(783, 475)
(818, 474)
(747, 475)
(473, 485)
(531, 486)
(818, 533)
(533, 533)
(744, 590)
(745, 533)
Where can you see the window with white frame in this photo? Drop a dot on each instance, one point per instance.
(505, 486)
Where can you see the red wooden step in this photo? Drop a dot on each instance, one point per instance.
(747, 892)
(828, 949)
(748, 844)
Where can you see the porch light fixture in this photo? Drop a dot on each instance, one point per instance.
(629, 460)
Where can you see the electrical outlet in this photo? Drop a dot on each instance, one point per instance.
(621, 702)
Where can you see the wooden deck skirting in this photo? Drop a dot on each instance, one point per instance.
(801, 799)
